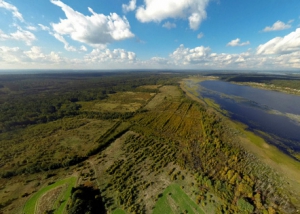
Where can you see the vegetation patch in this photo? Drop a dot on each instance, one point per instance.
(49, 146)
(31, 204)
(118, 102)
(174, 200)
(118, 211)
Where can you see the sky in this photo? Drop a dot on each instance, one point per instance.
(150, 34)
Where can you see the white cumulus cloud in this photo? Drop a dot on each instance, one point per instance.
(96, 29)
(129, 7)
(158, 10)
(19, 35)
(13, 9)
(117, 55)
(184, 55)
(281, 45)
(34, 56)
(279, 25)
(169, 25)
(237, 42)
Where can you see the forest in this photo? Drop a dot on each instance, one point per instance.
(134, 142)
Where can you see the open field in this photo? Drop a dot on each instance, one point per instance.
(32, 203)
(167, 92)
(174, 200)
(118, 102)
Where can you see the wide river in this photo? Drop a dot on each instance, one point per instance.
(274, 113)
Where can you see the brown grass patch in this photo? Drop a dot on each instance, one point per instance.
(46, 202)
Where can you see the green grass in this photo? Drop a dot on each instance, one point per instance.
(118, 211)
(30, 205)
(174, 200)
(66, 195)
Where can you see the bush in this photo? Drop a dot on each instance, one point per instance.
(243, 205)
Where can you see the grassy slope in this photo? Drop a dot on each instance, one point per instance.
(30, 205)
(174, 200)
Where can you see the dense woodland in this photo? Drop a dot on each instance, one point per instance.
(178, 138)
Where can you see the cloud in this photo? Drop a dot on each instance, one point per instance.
(10, 55)
(169, 25)
(43, 27)
(34, 53)
(184, 55)
(281, 45)
(66, 44)
(158, 10)
(279, 25)
(34, 56)
(130, 7)
(200, 35)
(117, 55)
(83, 48)
(236, 42)
(159, 60)
(201, 57)
(32, 28)
(19, 35)
(13, 9)
(96, 29)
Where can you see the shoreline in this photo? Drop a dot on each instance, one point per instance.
(272, 87)
(267, 153)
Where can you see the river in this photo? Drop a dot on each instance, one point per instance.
(274, 113)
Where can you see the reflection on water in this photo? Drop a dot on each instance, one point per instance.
(272, 112)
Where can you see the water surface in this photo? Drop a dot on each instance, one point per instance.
(260, 110)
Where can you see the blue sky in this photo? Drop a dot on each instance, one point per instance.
(145, 34)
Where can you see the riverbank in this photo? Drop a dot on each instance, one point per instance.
(287, 167)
